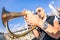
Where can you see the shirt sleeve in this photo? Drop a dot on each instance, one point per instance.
(56, 19)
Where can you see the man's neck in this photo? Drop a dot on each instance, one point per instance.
(45, 16)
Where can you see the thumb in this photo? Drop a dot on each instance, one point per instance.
(29, 12)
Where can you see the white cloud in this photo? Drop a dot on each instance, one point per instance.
(53, 9)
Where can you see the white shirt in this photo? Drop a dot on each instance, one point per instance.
(56, 19)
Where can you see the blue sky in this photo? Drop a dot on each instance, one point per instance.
(19, 5)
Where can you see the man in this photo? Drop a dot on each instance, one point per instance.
(58, 9)
(57, 13)
(43, 17)
(39, 22)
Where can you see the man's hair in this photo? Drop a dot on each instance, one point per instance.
(39, 9)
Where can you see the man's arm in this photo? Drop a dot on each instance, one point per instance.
(39, 22)
(52, 30)
(56, 23)
(48, 27)
(36, 33)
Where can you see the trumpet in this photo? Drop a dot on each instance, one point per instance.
(6, 16)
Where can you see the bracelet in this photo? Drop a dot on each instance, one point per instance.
(45, 25)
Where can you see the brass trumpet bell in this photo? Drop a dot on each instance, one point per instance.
(9, 15)
(6, 16)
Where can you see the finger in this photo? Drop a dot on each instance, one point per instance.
(24, 10)
(28, 17)
(30, 23)
(25, 16)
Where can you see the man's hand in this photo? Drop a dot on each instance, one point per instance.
(32, 19)
(27, 11)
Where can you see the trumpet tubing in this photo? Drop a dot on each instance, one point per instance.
(6, 16)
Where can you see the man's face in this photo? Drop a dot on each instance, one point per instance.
(40, 13)
(59, 13)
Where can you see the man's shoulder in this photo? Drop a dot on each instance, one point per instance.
(50, 17)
